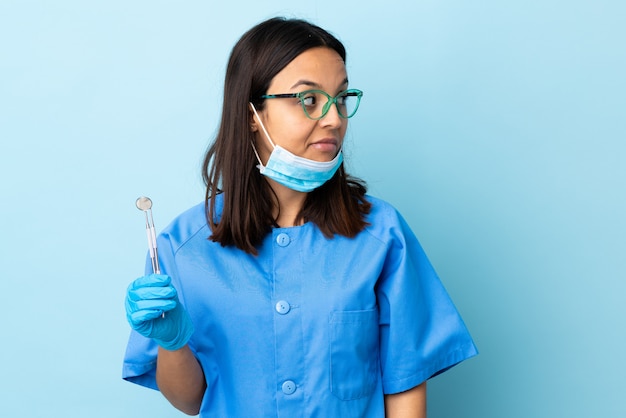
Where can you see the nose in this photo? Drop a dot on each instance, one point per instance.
(332, 118)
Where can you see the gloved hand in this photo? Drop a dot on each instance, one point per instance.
(147, 298)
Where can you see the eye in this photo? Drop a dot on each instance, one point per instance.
(308, 99)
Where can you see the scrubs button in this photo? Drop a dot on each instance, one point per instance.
(289, 387)
(282, 307)
(282, 239)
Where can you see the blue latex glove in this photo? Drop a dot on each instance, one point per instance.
(147, 298)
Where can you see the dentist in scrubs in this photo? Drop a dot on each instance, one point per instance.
(289, 291)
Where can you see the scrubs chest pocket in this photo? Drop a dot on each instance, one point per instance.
(354, 369)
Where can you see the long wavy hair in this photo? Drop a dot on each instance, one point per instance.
(337, 207)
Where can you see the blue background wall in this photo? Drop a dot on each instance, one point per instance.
(497, 128)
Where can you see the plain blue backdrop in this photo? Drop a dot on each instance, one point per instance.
(496, 127)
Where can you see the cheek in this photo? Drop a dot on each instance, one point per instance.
(343, 130)
(293, 133)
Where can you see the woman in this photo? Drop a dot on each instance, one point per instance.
(289, 291)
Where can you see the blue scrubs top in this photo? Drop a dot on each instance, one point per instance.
(311, 327)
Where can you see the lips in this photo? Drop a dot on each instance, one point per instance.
(325, 145)
(327, 141)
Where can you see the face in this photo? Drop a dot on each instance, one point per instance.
(320, 140)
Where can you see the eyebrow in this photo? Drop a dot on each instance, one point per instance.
(313, 84)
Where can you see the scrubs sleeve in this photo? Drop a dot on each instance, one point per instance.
(421, 332)
(141, 353)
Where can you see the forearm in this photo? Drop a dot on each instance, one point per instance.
(180, 379)
(409, 404)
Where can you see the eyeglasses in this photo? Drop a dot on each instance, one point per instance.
(316, 103)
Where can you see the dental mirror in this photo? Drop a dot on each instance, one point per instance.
(144, 203)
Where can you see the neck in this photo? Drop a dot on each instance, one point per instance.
(288, 206)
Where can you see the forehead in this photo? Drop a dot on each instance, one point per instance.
(314, 68)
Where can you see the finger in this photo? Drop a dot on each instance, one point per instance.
(151, 305)
(143, 316)
(151, 280)
(149, 293)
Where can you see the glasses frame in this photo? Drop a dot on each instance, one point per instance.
(301, 96)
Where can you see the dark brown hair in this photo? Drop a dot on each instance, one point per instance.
(337, 207)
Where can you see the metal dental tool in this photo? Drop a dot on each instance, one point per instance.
(145, 204)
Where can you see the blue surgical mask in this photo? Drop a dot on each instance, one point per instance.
(292, 171)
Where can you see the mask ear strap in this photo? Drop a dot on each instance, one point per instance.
(256, 153)
(262, 127)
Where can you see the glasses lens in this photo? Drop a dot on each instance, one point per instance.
(314, 103)
(348, 103)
